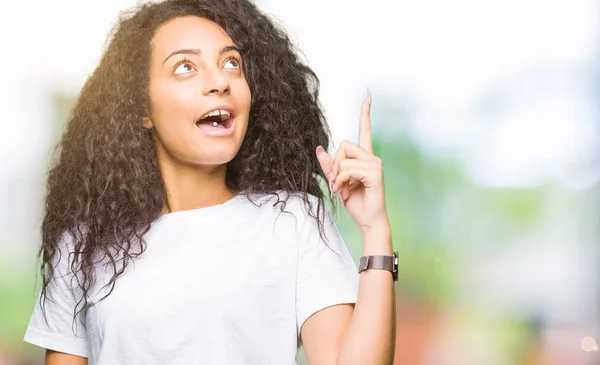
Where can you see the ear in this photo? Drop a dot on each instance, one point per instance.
(147, 123)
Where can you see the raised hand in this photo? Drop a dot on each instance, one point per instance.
(356, 176)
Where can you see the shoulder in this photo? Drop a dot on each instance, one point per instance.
(63, 251)
(304, 206)
(305, 215)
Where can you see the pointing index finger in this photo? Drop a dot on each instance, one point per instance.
(364, 131)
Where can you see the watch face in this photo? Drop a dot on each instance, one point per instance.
(395, 272)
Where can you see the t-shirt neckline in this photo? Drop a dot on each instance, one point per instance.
(210, 208)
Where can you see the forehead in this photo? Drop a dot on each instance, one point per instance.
(189, 32)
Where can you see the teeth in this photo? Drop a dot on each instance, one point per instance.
(223, 113)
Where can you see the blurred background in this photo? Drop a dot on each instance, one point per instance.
(485, 113)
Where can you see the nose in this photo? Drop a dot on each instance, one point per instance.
(215, 82)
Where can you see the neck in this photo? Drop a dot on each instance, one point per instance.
(193, 187)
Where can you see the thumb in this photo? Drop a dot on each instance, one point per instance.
(325, 160)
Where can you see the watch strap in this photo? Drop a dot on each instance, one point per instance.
(380, 262)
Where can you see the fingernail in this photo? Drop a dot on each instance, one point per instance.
(369, 100)
(320, 149)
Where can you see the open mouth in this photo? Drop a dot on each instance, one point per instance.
(218, 119)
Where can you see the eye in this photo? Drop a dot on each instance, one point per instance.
(183, 67)
(233, 63)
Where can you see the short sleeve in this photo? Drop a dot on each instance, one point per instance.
(327, 274)
(58, 330)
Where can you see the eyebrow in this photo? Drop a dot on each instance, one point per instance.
(197, 52)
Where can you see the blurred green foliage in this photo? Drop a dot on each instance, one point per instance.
(18, 291)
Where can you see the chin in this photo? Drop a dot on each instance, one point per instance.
(215, 157)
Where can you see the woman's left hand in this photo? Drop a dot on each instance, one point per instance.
(356, 175)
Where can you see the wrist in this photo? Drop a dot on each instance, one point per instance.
(380, 229)
(377, 240)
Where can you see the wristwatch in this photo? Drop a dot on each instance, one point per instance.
(389, 263)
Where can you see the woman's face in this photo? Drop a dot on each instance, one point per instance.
(200, 100)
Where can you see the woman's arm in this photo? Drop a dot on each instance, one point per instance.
(365, 335)
(370, 338)
(60, 358)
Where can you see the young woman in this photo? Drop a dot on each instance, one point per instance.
(185, 220)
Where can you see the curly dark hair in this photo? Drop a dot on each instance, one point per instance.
(106, 190)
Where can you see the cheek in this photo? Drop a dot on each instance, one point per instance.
(172, 112)
(171, 103)
(244, 96)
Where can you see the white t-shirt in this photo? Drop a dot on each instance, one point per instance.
(227, 284)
